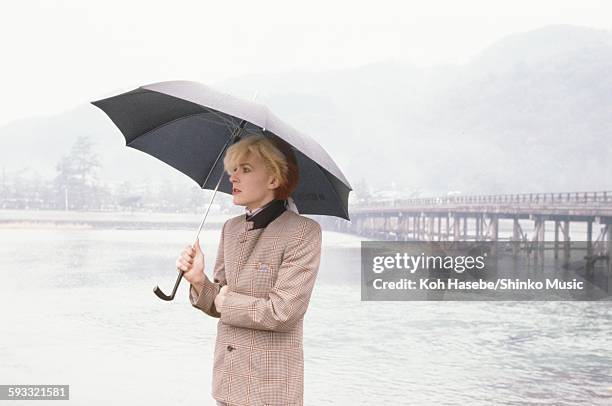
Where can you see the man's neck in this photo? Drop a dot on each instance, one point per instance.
(260, 206)
(261, 217)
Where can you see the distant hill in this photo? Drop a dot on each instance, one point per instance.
(532, 112)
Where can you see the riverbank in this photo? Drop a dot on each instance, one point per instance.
(88, 219)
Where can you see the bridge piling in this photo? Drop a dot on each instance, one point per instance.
(484, 217)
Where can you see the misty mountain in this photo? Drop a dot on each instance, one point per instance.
(528, 114)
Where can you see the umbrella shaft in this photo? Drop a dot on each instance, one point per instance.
(234, 136)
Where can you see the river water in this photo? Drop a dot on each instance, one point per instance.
(78, 309)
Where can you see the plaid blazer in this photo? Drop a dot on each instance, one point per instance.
(270, 273)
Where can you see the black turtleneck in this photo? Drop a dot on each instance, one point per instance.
(266, 215)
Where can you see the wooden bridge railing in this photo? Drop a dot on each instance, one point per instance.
(601, 197)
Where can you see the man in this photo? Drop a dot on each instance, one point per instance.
(263, 278)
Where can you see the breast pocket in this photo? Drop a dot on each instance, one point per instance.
(263, 278)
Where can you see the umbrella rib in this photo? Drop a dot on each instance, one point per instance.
(230, 125)
(226, 121)
(179, 119)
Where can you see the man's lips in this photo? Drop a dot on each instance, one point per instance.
(234, 191)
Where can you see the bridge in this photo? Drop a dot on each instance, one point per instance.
(511, 217)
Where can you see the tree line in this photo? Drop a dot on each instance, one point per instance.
(77, 186)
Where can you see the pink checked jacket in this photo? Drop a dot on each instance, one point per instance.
(270, 270)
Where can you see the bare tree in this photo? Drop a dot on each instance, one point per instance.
(77, 183)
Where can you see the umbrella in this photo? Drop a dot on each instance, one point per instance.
(189, 126)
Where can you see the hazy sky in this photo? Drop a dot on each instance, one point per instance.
(59, 54)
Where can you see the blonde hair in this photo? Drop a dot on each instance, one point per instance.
(278, 157)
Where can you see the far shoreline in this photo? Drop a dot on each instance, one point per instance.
(22, 219)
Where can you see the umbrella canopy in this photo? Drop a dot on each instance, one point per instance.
(186, 124)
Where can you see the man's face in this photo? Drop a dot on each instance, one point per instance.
(252, 186)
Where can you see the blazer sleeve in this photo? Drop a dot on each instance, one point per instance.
(288, 300)
(209, 290)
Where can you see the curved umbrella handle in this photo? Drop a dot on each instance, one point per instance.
(162, 295)
(235, 137)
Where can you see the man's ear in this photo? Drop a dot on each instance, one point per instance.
(273, 182)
